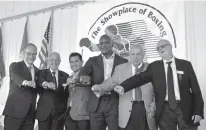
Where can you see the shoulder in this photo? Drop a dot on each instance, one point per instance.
(94, 58)
(124, 60)
(42, 72)
(64, 74)
(16, 64)
(123, 66)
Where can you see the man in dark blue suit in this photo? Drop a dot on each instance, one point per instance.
(52, 103)
(19, 110)
(103, 110)
(178, 97)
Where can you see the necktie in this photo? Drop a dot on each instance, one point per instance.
(54, 78)
(30, 68)
(170, 85)
(137, 91)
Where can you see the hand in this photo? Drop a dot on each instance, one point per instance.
(31, 84)
(196, 118)
(70, 80)
(151, 111)
(96, 89)
(51, 85)
(119, 90)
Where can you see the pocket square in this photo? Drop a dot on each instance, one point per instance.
(180, 72)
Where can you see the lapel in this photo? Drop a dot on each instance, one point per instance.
(101, 66)
(130, 69)
(116, 62)
(178, 67)
(26, 70)
(161, 74)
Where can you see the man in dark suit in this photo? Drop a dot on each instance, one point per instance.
(103, 110)
(178, 97)
(19, 110)
(52, 103)
(77, 117)
(138, 104)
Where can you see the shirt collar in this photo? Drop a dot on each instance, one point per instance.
(53, 71)
(28, 64)
(173, 60)
(139, 66)
(111, 57)
(74, 74)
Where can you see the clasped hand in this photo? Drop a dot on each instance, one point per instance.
(31, 84)
(49, 85)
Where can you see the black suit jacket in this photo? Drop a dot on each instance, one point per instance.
(190, 94)
(51, 100)
(94, 67)
(20, 97)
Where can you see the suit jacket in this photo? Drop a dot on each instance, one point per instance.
(51, 100)
(121, 73)
(20, 98)
(190, 94)
(94, 67)
(79, 98)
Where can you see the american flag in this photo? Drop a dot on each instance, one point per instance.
(43, 54)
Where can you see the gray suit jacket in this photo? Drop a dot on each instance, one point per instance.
(79, 99)
(121, 73)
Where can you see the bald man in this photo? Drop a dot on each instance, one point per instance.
(53, 95)
(178, 97)
(19, 110)
(136, 108)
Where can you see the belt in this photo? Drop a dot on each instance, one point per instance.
(137, 101)
(177, 101)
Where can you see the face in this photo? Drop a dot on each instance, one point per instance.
(105, 46)
(136, 56)
(75, 63)
(164, 48)
(54, 62)
(30, 54)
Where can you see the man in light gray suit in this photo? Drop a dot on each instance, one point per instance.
(136, 106)
(77, 117)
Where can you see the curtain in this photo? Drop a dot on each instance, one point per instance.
(195, 20)
(64, 35)
(12, 38)
(37, 25)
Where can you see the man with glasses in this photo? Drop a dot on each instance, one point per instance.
(179, 101)
(52, 103)
(103, 110)
(20, 106)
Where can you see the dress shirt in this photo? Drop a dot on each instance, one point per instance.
(174, 72)
(133, 73)
(56, 76)
(108, 65)
(32, 71)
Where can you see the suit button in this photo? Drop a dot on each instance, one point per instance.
(130, 111)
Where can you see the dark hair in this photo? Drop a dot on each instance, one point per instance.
(106, 37)
(75, 54)
(29, 44)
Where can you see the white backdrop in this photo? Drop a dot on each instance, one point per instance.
(68, 25)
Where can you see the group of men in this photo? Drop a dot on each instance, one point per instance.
(169, 96)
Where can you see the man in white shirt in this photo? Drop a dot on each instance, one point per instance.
(103, 110)
(20, 106)
(52, 103)
(179, 101)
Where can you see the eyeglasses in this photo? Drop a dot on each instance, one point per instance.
(30, 54)
(162, 46)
